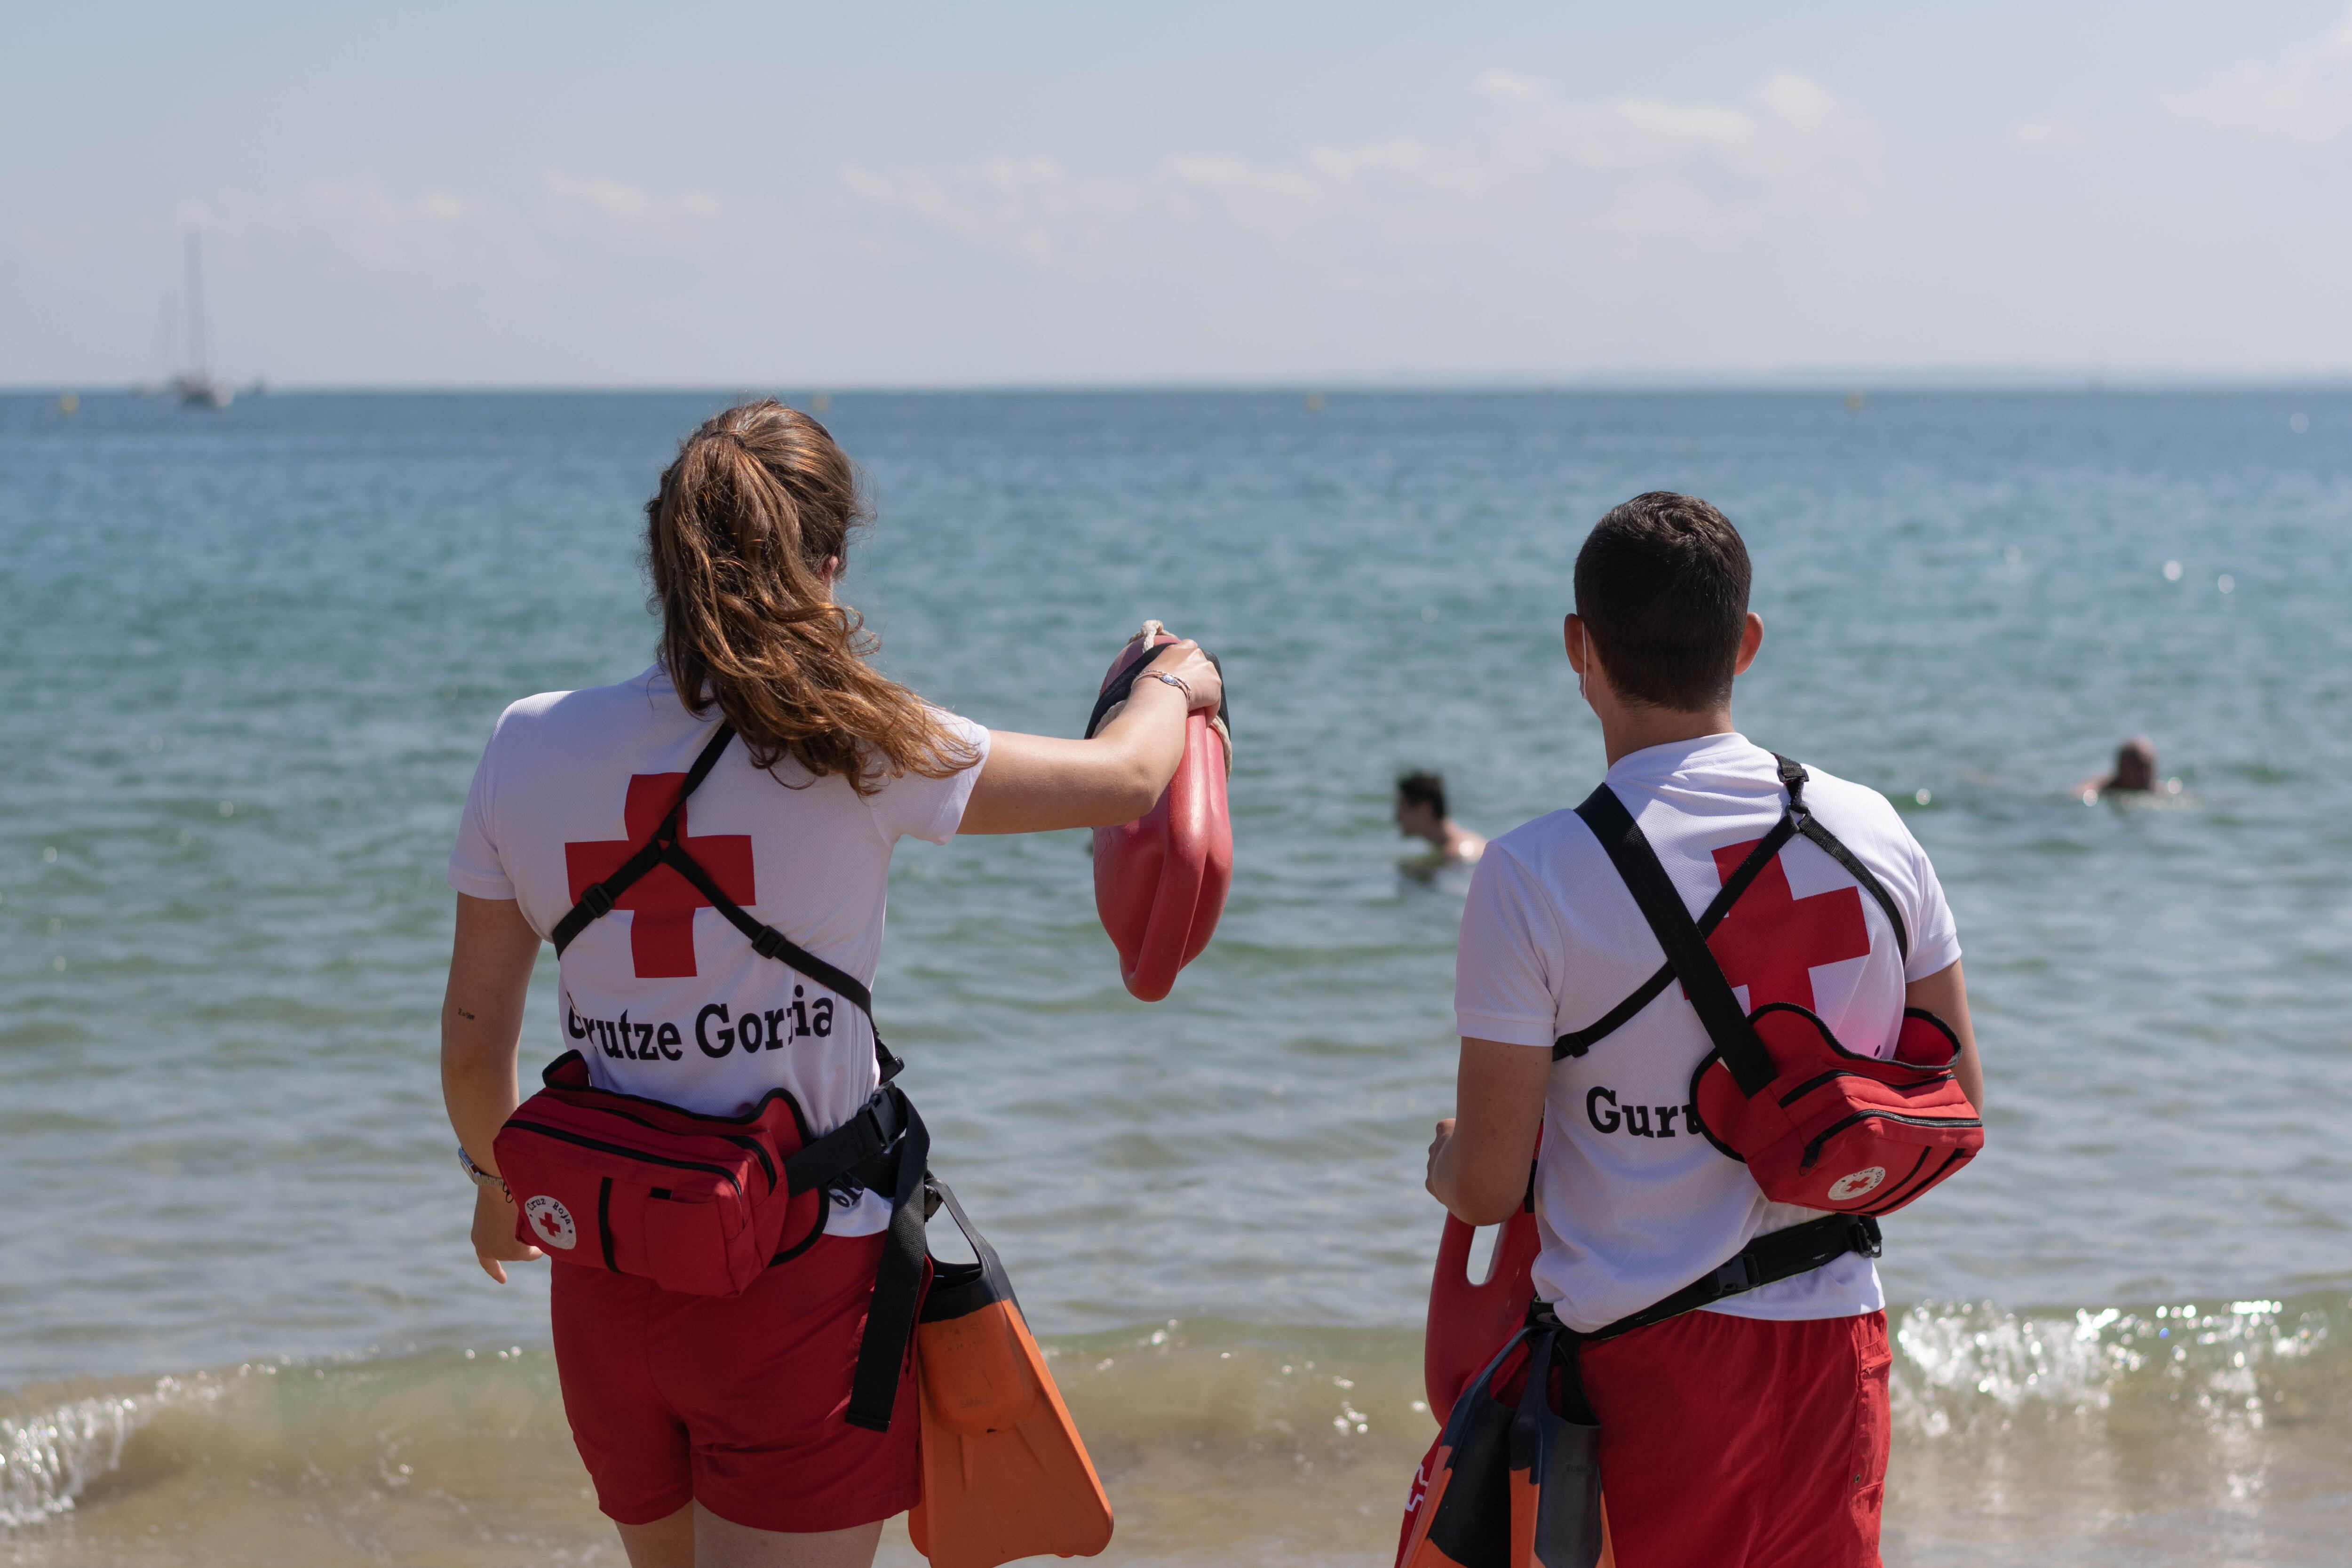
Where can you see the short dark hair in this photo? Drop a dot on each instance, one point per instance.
(1661, 588)
(1424, 789)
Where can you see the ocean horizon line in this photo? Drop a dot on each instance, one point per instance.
(1889, 381)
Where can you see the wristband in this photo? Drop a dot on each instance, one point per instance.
(482, 1178)
(1178, 681)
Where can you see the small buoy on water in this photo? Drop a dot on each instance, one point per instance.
(820, 403)
(68, 403)
(1854, 401)
(1314, 403)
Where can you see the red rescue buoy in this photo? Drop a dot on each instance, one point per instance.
(1160, 880)
(1470, 1320)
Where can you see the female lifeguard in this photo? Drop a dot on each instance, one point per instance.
(715, 1427)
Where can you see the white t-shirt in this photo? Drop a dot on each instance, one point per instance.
(662, 995)
(1632, 1203)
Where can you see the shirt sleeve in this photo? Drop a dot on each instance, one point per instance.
(913, 806)
(1934, 936)
(474, 868)
(1503, 979)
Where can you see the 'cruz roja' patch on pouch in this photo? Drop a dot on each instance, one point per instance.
(717, 1029)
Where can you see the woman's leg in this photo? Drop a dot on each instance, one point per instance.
(720, 1545)
(664, 1543)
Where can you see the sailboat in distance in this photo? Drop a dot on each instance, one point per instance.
(196, 386)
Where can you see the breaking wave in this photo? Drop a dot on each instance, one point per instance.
(2011, 1427)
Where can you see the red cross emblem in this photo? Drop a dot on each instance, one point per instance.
(1772, 941)
(661, 905)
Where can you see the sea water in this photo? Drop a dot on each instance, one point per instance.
(252, 655)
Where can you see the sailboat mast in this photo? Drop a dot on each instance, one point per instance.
(196, 309)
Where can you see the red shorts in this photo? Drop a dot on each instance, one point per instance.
(1742, 1442)
(734, 1402)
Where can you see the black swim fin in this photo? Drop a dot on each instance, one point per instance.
(1512, 1483)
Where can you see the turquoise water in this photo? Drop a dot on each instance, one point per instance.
(255, 653)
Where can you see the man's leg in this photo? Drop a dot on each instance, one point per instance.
(1743, 1443)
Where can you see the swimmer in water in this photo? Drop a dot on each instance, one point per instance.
(2135, 773)
(1420, 814)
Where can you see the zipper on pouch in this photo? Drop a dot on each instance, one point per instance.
(1813, 1149)
(584, 1142)
(1814, 1083)
(741, 1140)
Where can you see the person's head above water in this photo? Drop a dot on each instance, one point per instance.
(2135, 766)
(1420, 806)
(743, 539)
(1662, 622)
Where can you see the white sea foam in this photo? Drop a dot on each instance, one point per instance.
(48, 1458)
(1960, 1367)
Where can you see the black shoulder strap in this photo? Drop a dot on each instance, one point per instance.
(1793, 776)
(597, 901)
(1685, 947)
(664, 849)
(1798, 820)
(1578, 1041)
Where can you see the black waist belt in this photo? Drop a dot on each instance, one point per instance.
(1767, 1259)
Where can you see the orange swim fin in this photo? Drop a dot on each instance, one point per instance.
(1004, 1474)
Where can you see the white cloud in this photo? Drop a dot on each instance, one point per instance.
(2047, 133)
(368, 203)
(2304, 97)
(630, 207)
(1540, 166)
(1788, 131)
(1508, 88)
(1402, 156)
(356, 217)
(1030, 207)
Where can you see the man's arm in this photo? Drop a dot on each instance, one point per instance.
(1946, 994)
(481, 1030)
(1478, 1163)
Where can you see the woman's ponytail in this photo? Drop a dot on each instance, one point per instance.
(739, 538)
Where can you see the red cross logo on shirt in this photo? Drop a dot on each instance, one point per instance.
(662, 903)
(1772, 941)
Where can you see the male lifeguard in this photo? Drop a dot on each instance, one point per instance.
(1752, 1432)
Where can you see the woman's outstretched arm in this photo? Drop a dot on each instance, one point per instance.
(1033, 782)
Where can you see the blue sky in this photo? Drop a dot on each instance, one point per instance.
(917, 195)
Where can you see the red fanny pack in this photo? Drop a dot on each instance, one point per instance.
(1817, 1126)
(1831, 1129)
(698, 1203)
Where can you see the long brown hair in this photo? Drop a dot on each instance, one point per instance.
(738, 537)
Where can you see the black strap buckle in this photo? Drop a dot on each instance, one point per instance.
(1866, 1236)
(1739, 1276)
(1793, 779)
(769, 942)
(597, 900)
(880, 1131)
